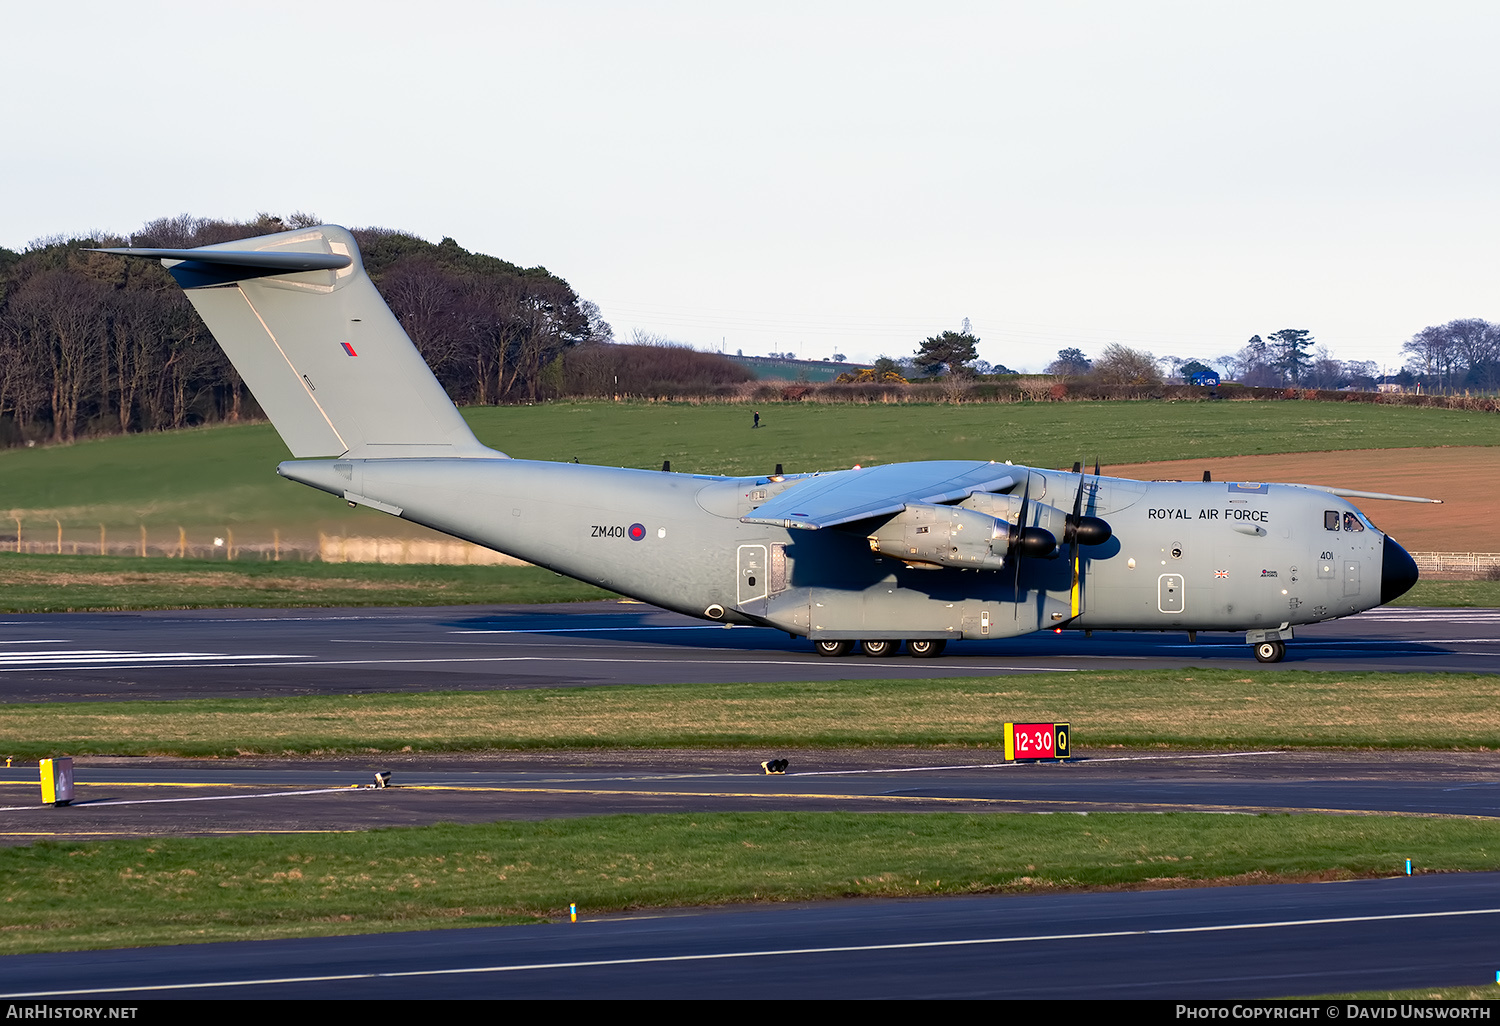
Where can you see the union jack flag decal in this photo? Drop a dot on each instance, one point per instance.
(1221, 573)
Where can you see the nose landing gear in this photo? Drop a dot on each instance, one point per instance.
(1270, 645)
(1270, 651)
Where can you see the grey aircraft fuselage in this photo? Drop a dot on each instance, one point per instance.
(1183, 555)
(919, 553)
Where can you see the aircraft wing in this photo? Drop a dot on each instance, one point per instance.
(827, 500)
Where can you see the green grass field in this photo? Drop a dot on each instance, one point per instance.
(1452, 594)
(1192, 708)
(70, 896)
(213, 479)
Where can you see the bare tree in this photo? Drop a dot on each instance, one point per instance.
(1121, 365)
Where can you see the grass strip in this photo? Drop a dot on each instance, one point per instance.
(68, 896)
(67, 584)
(1452, 594)
(1173, 708)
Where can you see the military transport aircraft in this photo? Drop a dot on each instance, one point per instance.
(913, 553)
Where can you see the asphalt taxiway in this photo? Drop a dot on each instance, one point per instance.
(160, 797)
(243, 653)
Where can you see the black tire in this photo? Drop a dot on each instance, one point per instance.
(880, 648)
(833, 649)
(1270, 651)
(925, 648)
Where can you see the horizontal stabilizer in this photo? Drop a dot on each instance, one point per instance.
(197, 268)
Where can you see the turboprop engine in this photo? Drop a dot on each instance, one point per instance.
(957, 536)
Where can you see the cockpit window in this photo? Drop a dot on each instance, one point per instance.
(1352, 522)
(1331, 519)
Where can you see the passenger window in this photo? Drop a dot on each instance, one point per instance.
(1351, 523)
(1331, 519)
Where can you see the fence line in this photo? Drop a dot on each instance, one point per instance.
(1457, 565)
(52, 537)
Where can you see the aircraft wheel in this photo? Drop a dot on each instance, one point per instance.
(880, 648)
(833, 648)
(926, 648)
(1270, 651)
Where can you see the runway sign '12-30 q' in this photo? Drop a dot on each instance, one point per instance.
(1035, 741)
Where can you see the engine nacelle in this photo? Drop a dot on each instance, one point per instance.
(943, 536)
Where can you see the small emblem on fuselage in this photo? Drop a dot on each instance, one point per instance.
(348, 349)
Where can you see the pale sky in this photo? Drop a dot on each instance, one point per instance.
(818, 177)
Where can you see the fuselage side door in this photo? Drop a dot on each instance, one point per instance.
(753, 572)
(1170, 594)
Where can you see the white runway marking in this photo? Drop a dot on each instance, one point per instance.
(809, 661)
(1004, 765)
(767, 953)
(88, 658)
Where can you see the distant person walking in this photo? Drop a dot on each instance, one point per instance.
(757, 421)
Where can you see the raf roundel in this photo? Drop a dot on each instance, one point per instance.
(637, 532)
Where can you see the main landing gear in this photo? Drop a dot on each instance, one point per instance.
(879, 648)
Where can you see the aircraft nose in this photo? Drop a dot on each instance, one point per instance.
(1398, 571)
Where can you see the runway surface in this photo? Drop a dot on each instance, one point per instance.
(241, 653)
(1218, 942)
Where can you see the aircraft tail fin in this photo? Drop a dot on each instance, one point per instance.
(320, 350)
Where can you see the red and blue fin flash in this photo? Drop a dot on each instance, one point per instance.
(348, 349)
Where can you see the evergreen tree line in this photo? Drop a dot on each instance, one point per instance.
(95, 344)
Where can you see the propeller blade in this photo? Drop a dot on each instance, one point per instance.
(1073, 522)
(1013, 550)
(1082, 530)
